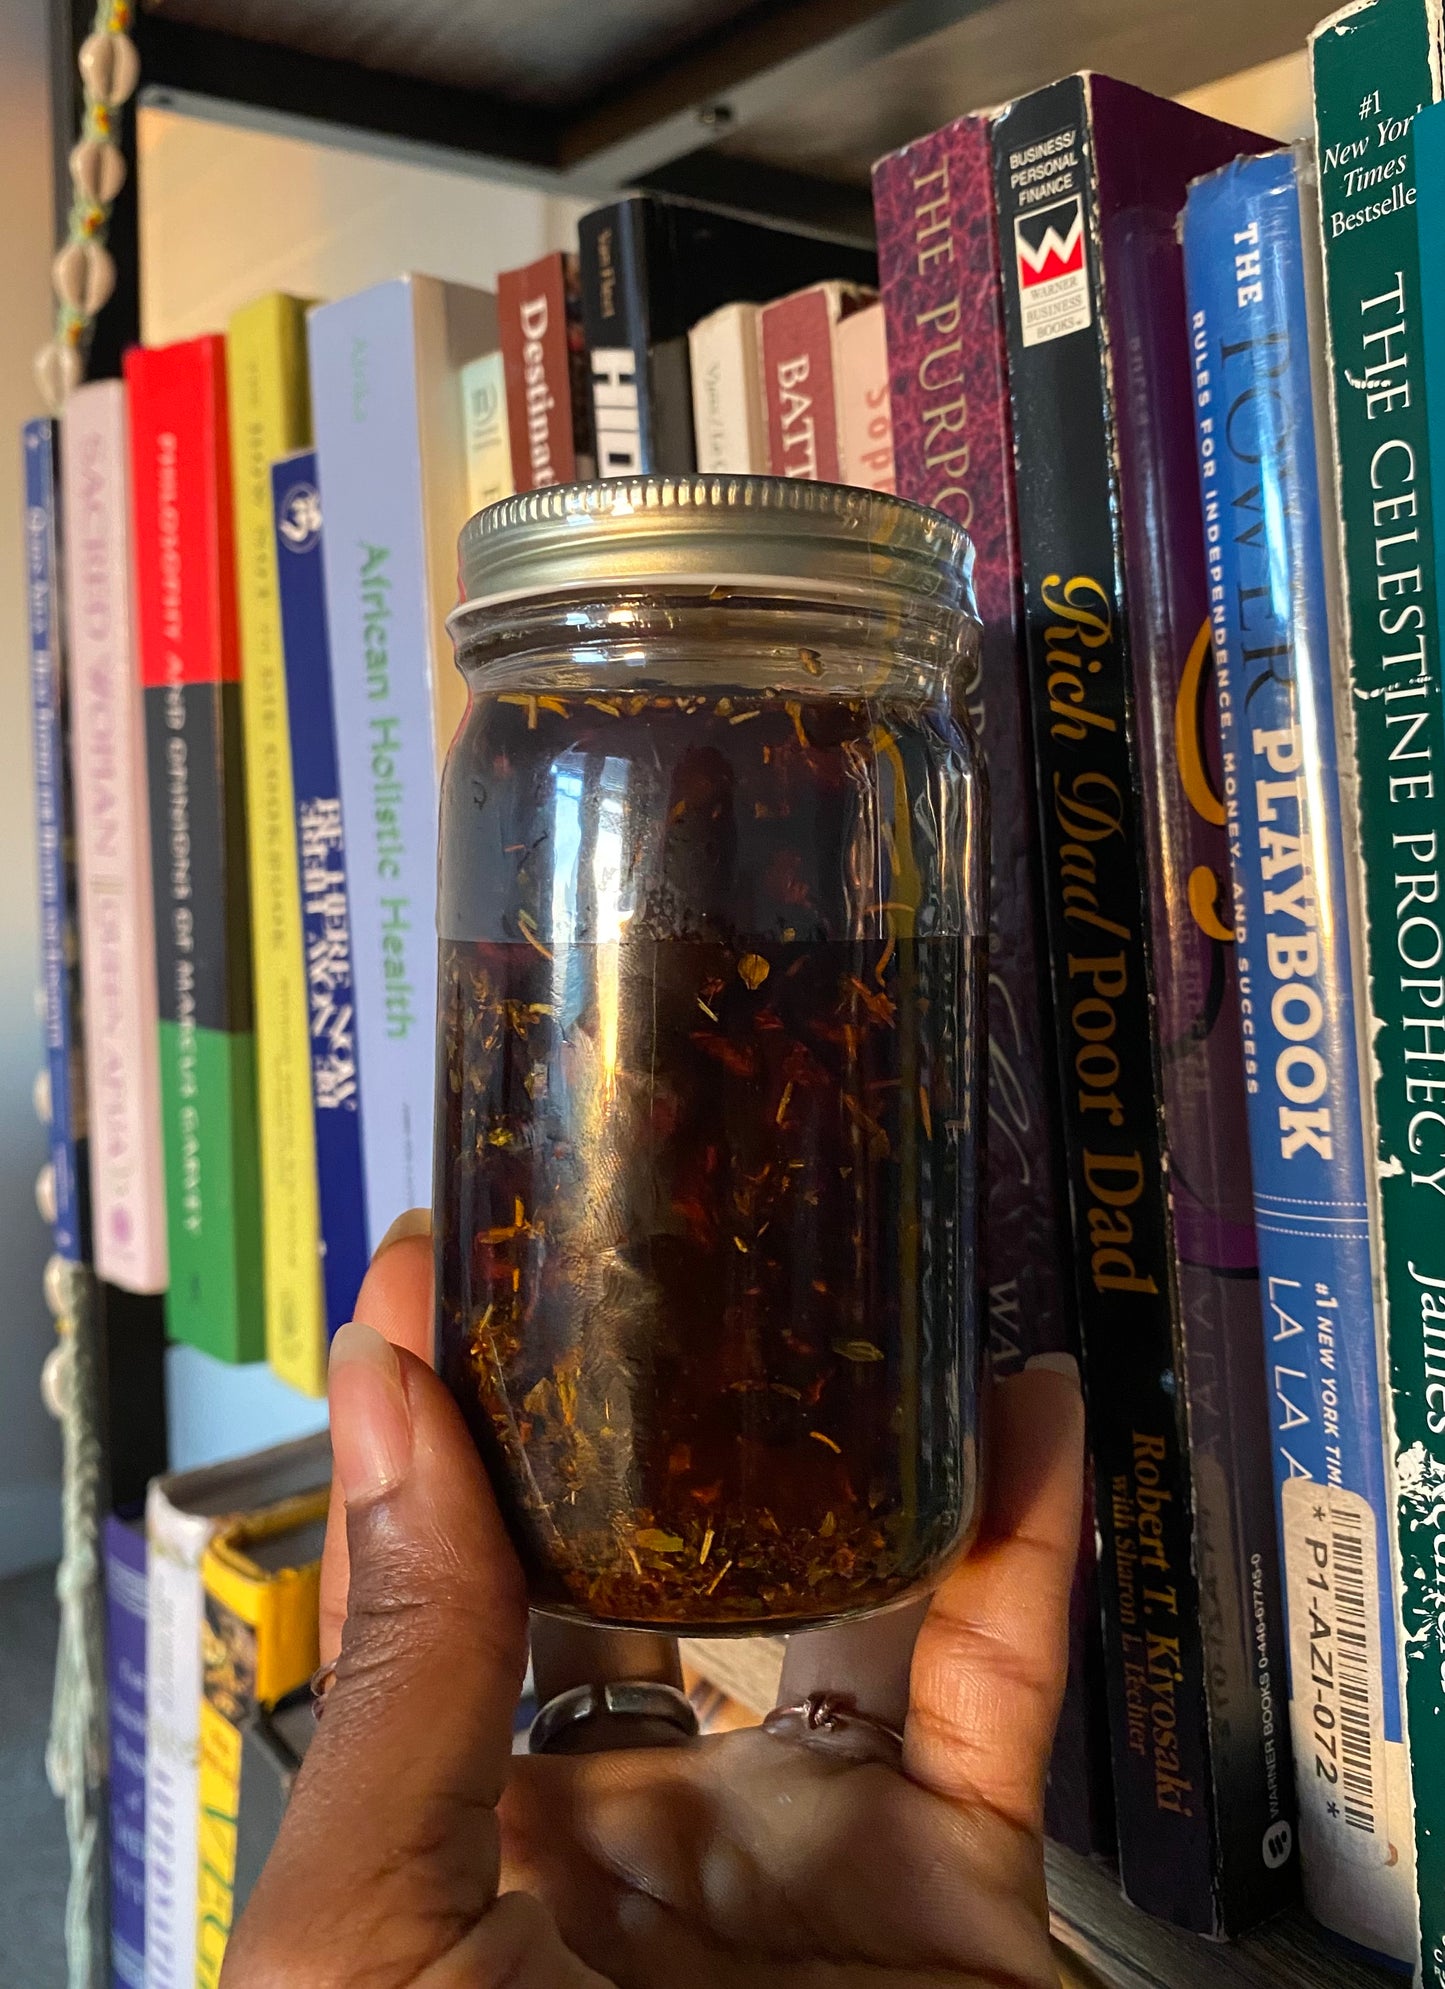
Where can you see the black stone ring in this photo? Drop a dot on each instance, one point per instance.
(626, 1712)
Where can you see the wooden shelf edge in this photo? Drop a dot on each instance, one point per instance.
(1116, 1947)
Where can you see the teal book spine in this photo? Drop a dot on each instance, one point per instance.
(1376, 64)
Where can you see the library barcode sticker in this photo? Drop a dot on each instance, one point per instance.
(1333, 1585)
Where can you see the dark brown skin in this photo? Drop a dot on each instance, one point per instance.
(417, 1853)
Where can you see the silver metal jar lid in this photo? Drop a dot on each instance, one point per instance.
(783, 533)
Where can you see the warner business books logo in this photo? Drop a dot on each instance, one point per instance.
(1053, 272)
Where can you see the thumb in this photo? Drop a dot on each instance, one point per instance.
(389, 1853)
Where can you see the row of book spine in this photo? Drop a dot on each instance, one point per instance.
(251, 969)
(1207, 562)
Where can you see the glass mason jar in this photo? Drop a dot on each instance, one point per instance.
(709, 1086)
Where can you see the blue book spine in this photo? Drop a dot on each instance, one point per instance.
(125, 1626)
(1250, 306)
(364, 394)
(325, 899)
(55, 839)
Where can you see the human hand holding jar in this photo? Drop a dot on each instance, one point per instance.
(705, 1291)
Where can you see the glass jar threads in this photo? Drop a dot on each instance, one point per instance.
(712, 921)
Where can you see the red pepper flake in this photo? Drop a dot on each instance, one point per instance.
(926, 1110)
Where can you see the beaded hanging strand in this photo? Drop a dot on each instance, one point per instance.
(83, 273)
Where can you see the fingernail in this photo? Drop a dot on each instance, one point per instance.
(370, 1420)
(1064, 1364)
(413, 1222)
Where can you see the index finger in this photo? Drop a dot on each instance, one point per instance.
(396, 1299)
(989, 1666)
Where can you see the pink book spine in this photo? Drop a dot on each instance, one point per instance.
(798, 385)
(860, 357)
(113, 847)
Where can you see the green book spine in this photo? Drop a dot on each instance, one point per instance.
(1375, 65)
(190, 674)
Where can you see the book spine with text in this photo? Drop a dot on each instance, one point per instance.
(1417, 1363)
(952, 444)
(1291, 838)
(484, 424)
(1374, 66)
(258, 1643)
(799, 385)
(50, 698)
(865, 424)
(612, 254)
(175, 1543)
(729, 420)
(190, 669)
(113, 847)
(125, 1658)
(544, 353)
(364, 360)
(269, 415)
(319, 851)
(1090, 178)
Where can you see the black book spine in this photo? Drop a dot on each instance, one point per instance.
(1082, 670)
(1091, 178)
(641, 380)
(614, 319)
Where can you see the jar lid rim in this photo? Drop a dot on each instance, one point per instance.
(650, 530)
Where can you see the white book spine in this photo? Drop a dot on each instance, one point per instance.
(865, 415)
(386, 402)
(118, 961)
(175, 1543)
(484, 420)
(730, 431)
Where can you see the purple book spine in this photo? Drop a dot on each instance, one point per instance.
(939, 271)
(125, 1622)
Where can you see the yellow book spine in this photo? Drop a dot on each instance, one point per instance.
(270, 416)
(220, 1801)
(258, 1639)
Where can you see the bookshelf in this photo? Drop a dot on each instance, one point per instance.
(777, 107)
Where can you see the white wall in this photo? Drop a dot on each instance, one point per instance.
(227, 214)
(29, 1443)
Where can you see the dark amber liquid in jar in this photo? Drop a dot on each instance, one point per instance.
(707, 1147)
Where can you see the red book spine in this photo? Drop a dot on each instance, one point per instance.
(802, 402)
(538, 319)
(181, 493)
(953, 448)
(190, 673)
